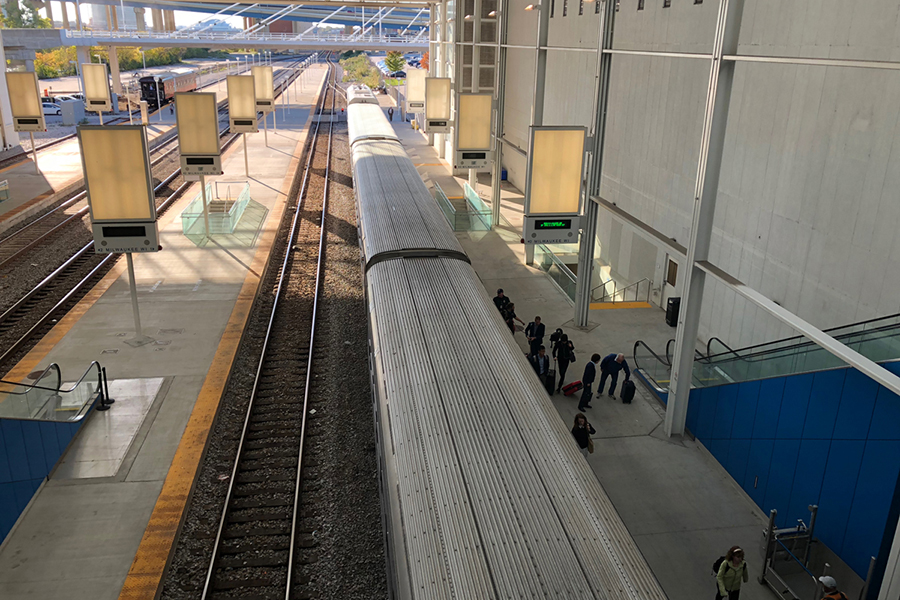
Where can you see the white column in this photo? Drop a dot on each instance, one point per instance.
(718, 98)
(10, 137)
(598, 130)
(114, 70)
(500, 98)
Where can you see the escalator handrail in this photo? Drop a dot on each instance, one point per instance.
(655, 355)
(728, 349)
(761, 355)
(829, 331)
(670, 354)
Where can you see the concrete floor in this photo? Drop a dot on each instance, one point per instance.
(683, 509)
(79, 535)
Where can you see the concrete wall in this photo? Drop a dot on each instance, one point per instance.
(807, 212)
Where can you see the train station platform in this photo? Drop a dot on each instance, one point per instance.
(681, 506)
(101, 525)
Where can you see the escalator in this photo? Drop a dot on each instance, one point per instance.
(876, 339)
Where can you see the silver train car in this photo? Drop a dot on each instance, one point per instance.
(485, 494)
(367, 122)
(360, 94)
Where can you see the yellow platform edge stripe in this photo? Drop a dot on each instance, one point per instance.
(612, 305)
(144, 580)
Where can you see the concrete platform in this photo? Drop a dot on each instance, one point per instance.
(682, 507)
(79, 537)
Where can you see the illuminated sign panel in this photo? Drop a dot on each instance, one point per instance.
(96, 87)
(415, 90)
(198, 133)
(437, 105)
(25, 101)
(242, 104)
(264, 88)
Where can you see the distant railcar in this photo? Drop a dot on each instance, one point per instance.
(360, 94)
(168, 84)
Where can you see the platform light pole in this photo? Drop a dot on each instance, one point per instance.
(119, 186)
(197, 118)
(26, 106)
(242, 110)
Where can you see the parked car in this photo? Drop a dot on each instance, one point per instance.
(59, 99)
(51, 109)
(399, 74)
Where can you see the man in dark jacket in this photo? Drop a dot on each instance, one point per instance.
(541, 363)
(501, 301)
(610, 367)
(590, 373)
(534, 331)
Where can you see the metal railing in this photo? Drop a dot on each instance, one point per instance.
(473, 215)
(630, 293)
(219, 36)
(4, 190)
(561, 275)
(46, 400)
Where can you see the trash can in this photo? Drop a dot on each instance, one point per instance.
(672, 307)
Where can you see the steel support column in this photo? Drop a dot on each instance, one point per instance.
(442, 71)
(114, 71)
(598, 132)
(432, 53)
(65, 15)
(540, 77)
(721, 76)
(500, 99)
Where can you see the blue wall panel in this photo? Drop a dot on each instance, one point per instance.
(34, 449)
(838, 488)
(28, 452)
(874, 492)
(719, 449)
(15, 449)
(794, 405)
(725, 413)
(758, 469)
(707, 417)
(738, 454)
(822, 411)
(781, 475)
(771, 391)
(745, 410)
(830, 438)
(807, 484)
(886, 416)
(857, 406)
(4, 462)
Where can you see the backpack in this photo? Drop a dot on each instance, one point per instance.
(718, 564)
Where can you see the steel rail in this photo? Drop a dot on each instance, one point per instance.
(312, 331)
(282, 274)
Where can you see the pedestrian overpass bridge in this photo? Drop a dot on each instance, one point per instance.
(31, 39)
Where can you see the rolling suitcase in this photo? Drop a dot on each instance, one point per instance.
(571, 388)
(627, 391)
(550, 381)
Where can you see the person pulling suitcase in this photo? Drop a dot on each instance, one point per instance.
(541, 364)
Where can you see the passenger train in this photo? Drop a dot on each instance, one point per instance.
(485, 494)
(360, 94)
(169, 83)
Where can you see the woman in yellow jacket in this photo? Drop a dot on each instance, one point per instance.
(732, 572)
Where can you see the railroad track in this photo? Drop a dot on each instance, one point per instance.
(261, 537)
(31, 316)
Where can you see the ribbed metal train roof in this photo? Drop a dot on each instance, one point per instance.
(496, 499)
(367, 121)
(396, 211)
